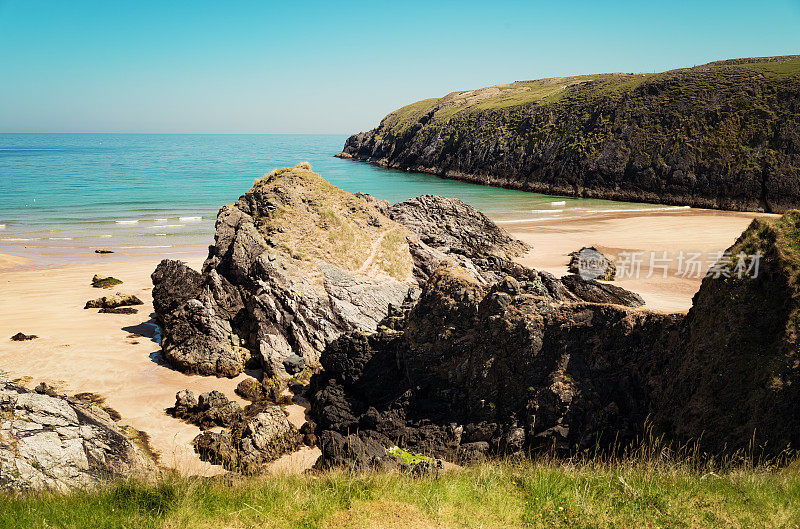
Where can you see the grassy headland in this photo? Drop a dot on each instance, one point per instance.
(720, 135)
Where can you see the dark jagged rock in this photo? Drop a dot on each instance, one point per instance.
(50, 442)
(101, 251)
(496, 369)
(721, 135)
(22, 337)
(470, 370)
(207, 411)
(112, 302)
(99, 281)
(590, 263)
(118, 310)
(596, 292)
(735, 372)
(249, 438)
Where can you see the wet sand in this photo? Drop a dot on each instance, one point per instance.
(689, 231)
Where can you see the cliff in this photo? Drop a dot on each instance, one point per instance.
(722, 135)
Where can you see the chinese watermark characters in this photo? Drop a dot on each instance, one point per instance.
(694, 265)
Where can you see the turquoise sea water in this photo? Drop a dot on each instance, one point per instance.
(59, 192)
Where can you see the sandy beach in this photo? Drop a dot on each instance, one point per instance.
(114, 355)
(691, 231)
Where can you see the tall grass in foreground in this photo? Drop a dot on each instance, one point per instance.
(638, 490)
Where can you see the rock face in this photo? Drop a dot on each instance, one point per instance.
(249, 438)
(471, 370)
(721, 135)
(22, 337)
(61, 444)
(475, 370)
(297, 261)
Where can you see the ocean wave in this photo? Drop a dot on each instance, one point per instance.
(106, 236)
(160, 220)
(161, 234)
(145, 247)
(559, 203)
(167, 226)
(2, 226)
(535, 219)
(190, 219)
(16, 239)
(136, 221)
(547, 210)
(60, 238)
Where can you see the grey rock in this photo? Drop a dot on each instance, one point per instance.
(48, 442)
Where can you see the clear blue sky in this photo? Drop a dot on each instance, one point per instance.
(306, 66)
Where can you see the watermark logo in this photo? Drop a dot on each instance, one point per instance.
(695, 265)
(591, 264)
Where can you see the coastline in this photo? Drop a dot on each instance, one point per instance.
(115, 356)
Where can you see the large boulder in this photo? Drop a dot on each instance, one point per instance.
(51, 442)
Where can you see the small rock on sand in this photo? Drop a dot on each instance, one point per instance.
(21, 337)
(99, 281)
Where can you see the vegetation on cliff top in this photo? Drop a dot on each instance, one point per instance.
(721, 135)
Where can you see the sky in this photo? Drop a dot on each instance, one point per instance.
(335, 67)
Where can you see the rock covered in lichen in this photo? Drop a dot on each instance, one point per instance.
(50, 442)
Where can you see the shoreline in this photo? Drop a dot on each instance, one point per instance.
(114, 355)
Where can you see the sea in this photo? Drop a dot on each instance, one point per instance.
(64, 195)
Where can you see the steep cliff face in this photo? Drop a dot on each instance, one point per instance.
(723, 135)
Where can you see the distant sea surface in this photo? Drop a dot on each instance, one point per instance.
(149, 193)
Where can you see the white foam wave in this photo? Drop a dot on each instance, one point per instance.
(2, 226)
(160, 220)
(136, 221)
(161, 234)
(559, 203)
(106, 236)
(16, 239)
(536, 219)
(145, 247)
(60, 238)
(167, 226)
(190, 219)
(547, 210)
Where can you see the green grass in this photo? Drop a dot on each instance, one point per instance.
(586, 494)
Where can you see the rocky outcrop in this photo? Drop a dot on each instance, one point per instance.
(249, 438)
(477, 370)
(721, 135)
(471, 370)
(297, 261)
(51, 442)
